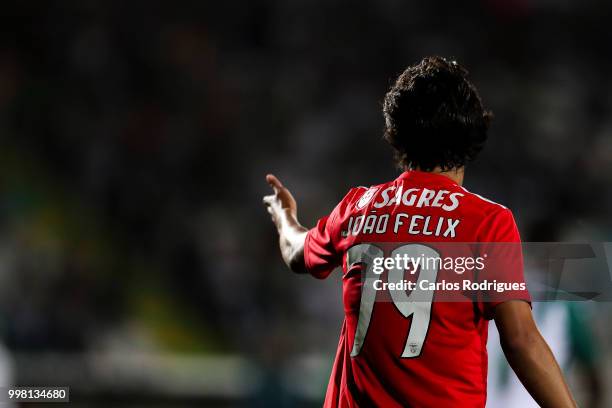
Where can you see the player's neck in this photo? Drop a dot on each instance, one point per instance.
(455, 174)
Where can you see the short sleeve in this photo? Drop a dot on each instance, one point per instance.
(503, 277)
(320, 255)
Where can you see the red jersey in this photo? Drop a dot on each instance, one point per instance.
(405, 353)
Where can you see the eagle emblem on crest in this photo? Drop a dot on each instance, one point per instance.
(413, 347)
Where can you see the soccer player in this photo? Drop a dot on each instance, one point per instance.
(423, 353)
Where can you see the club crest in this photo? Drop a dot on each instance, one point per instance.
(366, 197)
(414, 347)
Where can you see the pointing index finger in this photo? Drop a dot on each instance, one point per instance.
(274, 182)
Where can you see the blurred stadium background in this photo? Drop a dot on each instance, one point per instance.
(137, 264)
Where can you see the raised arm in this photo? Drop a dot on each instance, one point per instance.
(282, 207)
(530, 357)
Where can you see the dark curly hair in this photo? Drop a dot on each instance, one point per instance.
(434, 116)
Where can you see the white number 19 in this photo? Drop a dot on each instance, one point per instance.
(420, 310)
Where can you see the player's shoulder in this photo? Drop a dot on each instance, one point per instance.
(355, 194)
(482, 205)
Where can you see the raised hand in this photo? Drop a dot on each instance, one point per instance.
(282, 207)
(280, 201)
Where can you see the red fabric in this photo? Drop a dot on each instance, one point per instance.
(451, 370)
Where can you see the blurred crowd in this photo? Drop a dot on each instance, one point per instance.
(135, 136)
